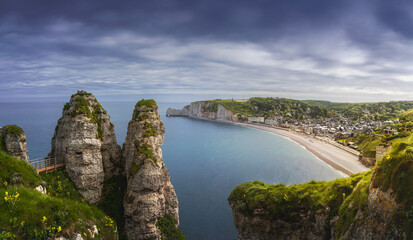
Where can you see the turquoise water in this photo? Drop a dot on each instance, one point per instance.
(206, 160)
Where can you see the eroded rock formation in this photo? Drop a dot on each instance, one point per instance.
(150, 195)
(207, 110)
(85, 141)
(14, 141)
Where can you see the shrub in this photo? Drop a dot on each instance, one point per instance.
(13, 129)
(149, 103)
(167, 226)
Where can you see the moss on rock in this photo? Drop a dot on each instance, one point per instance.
(13, 129)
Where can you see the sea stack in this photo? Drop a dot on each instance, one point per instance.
(85, 141)
(14, 141)
(150, 195)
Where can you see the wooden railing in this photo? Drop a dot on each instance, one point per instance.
(47, 164)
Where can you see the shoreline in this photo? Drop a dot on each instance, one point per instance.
(343, 161)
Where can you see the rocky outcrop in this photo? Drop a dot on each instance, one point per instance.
(367, 161)
(371, 205)
(310, 226)
(376, 221)
(85, 141)
(178, 112)
(14, 141)
(206, 110)
(149, 195)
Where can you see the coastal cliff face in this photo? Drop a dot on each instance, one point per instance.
(14, 141)
(207, 110)
(371, 205)
(85, 141)
(150, 196)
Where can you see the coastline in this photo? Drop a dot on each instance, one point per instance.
(343, 161)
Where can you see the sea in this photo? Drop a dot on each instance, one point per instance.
(206, 160)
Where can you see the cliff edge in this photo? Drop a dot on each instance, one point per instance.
(371, 205)
(204, 109)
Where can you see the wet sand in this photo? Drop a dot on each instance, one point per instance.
(337, 158)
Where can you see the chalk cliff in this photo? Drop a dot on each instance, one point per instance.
(371, 205)
(13, 140)
(85, 141)
(204, 109)
(150, 195)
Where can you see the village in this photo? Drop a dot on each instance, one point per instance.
(335, 129)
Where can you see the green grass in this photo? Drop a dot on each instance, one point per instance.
(283, 202)
(169, 231)
(395, 171)
(59, 184)
(149, 103)
(112, 203)
(82, 107)
(10, 166)
(145, 151)
(38, 216)
(135, 168)
(83, 93)
(367, 143)
(357, 200)
(62, 206)
(211, 107)
(237, 107)
(13, 129)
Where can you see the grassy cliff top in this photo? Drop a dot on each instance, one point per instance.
(284, 202)
(13, 129)
(150, 103)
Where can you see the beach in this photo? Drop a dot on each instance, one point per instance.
(341, 160)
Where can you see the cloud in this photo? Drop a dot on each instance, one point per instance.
(341, 50)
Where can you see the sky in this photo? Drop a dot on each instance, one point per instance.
(187, 50)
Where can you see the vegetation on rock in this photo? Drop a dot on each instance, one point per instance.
(60, 185)
(112, 203)
(168, 227)
(13, 129)
(149, 103)
(284, 202)
(374, 111)
(268, 107)
(28, 214)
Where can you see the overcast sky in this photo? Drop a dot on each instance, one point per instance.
(184, 50)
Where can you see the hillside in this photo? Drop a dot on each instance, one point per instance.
(378, 111)
(268, 107)
(29, 214)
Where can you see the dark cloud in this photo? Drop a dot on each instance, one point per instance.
(233, 47)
